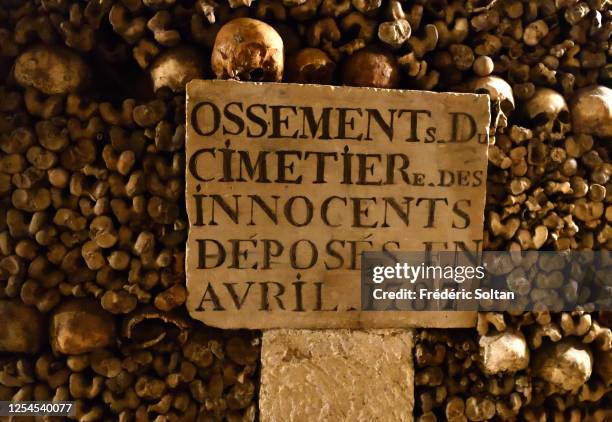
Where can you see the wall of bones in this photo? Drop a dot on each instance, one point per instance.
(93, 227)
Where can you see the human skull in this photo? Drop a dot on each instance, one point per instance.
(501, 95)
(51, 70)
(248, 50)
(148, 326)
(175, 67)
(591, 110)
(80, 326)
(310, 66)
(504, 352)
(566, 365)
(26, 332)
(548, 114)
(371, 67)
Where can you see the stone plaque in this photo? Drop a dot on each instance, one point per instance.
(288, 184)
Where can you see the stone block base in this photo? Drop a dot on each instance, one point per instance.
(336, 375)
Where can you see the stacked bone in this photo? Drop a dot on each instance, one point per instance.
(92, 266)
(91, 181)
(162, 369)
(532, 367)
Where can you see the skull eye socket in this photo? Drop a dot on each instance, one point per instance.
(564, 116)
(506, 106)
(540, 119)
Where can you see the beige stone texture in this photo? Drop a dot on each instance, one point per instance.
(294, 262)
(336, 375)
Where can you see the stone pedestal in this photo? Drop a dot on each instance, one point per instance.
(336, 375)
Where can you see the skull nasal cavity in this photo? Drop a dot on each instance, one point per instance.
(256, 74)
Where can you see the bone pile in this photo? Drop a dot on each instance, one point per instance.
(93, 227)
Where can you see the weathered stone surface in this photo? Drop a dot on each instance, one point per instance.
(566, 364)
(80, 326)
(26, 330)
(51, 70)
(336, 375)
(287, 184)
(504, 352)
